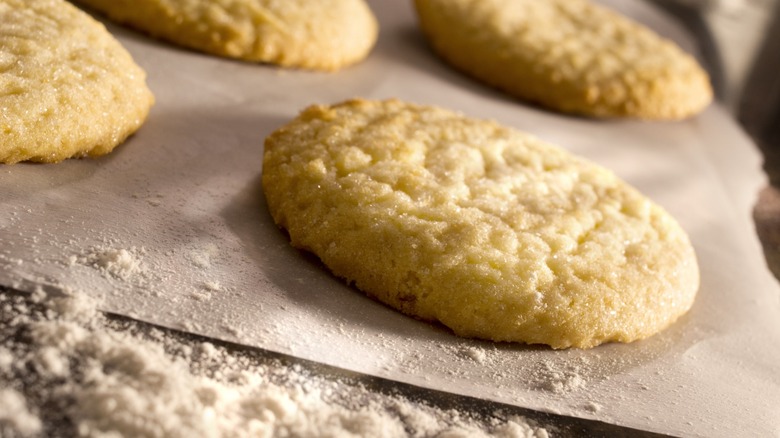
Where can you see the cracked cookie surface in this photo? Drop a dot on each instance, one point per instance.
(571, 56)
(486, 229)
(320, 35)
(67, 88)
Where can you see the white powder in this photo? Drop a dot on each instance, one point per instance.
(212, 286)
(201, 257)
(113, 377)
(120, 263)
(559, 379)
(200, 296)
(50, 361)
(15, 419)
(6, 360)
(476, 354)
(593, 407)
(75, 306)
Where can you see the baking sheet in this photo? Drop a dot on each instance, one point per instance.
(172, 229)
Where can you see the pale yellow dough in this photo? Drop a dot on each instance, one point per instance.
(312, 34)
(67, 87)
(488, 230)
(568, 55)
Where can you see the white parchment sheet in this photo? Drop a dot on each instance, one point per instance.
(180, 204)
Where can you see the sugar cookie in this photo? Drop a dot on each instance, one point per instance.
(568, 55)
(321, 34)
(69, 88)
(488, 230)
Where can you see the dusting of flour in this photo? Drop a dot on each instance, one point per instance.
(14, 415)
(120, 263)
(559, 380)
(67, 369)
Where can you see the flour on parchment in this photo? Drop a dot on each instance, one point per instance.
(119, 263)
(63, 364)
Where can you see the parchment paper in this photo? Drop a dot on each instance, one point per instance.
(183, 199)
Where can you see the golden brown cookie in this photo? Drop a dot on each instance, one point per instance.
(69, 89)
(570, 56)
(488, 230)
(321, 34)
